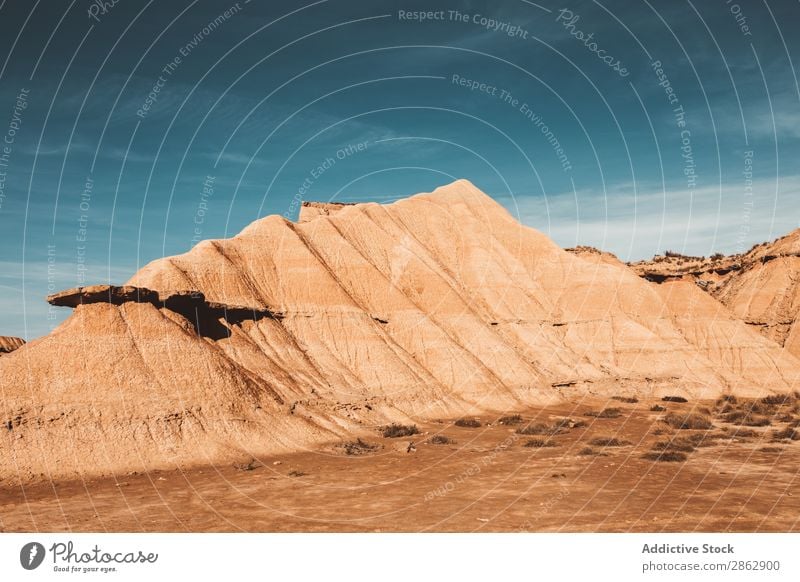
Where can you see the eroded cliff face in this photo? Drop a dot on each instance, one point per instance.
(437, 305)
(9, 344)
(761, 287)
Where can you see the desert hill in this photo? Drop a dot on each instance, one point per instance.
(297, 335)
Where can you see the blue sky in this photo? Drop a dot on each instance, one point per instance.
(262, 96)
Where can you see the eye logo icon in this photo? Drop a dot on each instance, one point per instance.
(31, 555)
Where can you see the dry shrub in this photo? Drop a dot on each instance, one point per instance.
(679, 399)
(540, 428)
(779, 399)
(690, 421)
(540, 443)
(787, 433)
(587, 451)
(606, 413)
(395, 430)
(681, 445)
(657, 408)
(702, 439)
(770, 450)
(468, 423)
(358, 447)
(567, 423)
(665, 456)
(745, 418)
(608, 442)
(440, 439)
(739, 433)
(757, 407)
(510, 420)
(626, 399)
(250, 465)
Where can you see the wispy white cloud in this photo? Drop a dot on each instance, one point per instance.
(635, 226)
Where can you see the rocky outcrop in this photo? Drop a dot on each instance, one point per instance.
(437, 305)
(311, 210)
(761, 287)
(595, 255)
(191, 304)
(9, 344)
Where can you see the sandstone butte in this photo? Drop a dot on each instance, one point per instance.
(292, 336)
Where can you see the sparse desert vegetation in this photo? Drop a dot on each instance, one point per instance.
(786, 433)
(541, 428)
(540, 443)
(688, 421)
(680, 444)
(678, 399)
(626, 399)
(608, 442)
(468, 423)
(606, 413)
(745, 418)
(599, 461)
(358, 447)
(395, 430)
(665, 456)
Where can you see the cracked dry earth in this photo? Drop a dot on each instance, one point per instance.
(572, 472)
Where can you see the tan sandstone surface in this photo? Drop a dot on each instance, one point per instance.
(434, 306)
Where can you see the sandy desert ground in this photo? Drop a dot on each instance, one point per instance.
(734, 478)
